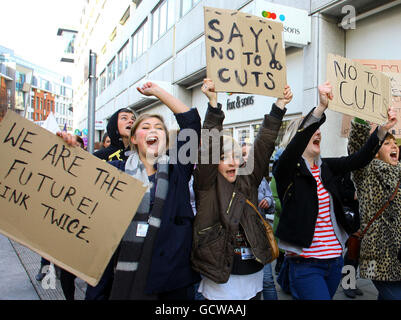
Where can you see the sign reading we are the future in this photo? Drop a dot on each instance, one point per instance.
(244, 53)
(60, 201)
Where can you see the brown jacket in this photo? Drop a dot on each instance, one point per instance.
(221, 205)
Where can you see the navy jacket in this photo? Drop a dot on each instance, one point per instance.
(170, 267)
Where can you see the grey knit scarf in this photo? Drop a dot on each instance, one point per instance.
(135, 252)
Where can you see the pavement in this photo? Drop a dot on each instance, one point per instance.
(18, 268)
(19, 265)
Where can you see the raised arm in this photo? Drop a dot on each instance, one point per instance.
(206, 170)
(263, 146)
(174, 104)
(286, 165)
(360, 141)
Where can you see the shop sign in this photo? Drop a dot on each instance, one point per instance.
(240, 102)
(297, 23)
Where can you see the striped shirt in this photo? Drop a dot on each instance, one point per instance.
(325, 244)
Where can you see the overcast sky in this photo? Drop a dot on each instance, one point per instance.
(29, 27)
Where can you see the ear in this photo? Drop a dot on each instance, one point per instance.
(133, 139)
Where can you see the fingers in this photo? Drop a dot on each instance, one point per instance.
(67, 137)
(264, 204)
(140, 90)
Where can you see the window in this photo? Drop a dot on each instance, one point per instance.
(243, 135)
(123, 58)
(187, 5)
(125, 17)
(140, 41)
(256, 128)
(111, 71)
(163, 18)
(103, 81)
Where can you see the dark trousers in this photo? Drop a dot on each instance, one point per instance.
(44, 262)
(67, 281)
(103, 289)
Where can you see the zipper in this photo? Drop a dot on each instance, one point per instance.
(231, 201)
(208, 228)
(288, 188)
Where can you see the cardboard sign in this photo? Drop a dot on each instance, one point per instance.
(244, 53)
(358, 91)
(60, 201)
(395, 82)
(388, 67)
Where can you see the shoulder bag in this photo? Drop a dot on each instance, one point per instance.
(354, 240)
(269, 234)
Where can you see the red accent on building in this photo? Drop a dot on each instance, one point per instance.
(42, 103)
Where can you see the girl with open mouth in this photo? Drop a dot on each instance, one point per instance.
(313, 227)
(374, 184)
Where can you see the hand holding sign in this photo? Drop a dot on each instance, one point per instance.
(282, 102)
(208, 90)
(325, 94)
(391, 121)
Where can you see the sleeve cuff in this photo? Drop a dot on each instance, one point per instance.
(277, 112)
(188, 117)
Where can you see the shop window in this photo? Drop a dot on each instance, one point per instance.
(243, 135)
(255, 128)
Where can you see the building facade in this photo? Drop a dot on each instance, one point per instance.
(33, 91)
(163, 41)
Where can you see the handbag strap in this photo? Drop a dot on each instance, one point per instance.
(254, 208)
(382, 209)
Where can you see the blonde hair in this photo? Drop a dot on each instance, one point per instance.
(139, 120)
(290, 131)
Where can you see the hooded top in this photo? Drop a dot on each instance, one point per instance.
(116, 149)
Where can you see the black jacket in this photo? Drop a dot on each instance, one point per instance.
(297, 188)
(116, 150)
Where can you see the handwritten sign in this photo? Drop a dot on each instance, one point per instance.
(244, 53)
(358, 90)
(388, 67)
(60, 201)
(395, 82)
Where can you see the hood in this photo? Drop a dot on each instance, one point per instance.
(112, 130)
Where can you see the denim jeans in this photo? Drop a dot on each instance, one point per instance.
(269, 289)
(388, 290)
(314, 279)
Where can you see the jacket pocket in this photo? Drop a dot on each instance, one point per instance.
(209, 252)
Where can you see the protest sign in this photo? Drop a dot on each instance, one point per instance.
(244, 53)
(395, 82)
(389, 67)
(60, 201)
(358, 91)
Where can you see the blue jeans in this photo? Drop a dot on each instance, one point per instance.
(314, 279)
(269, 289)
(388, 290)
